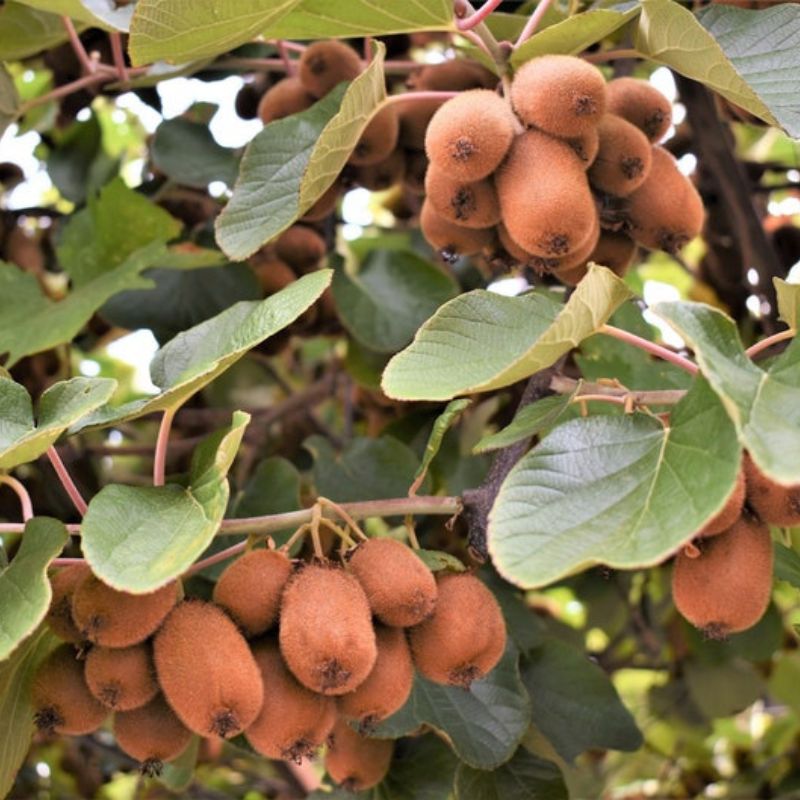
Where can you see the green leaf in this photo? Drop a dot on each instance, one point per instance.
(187, 30)
(436, 560)
(525, 777)
(575, 705)
(195, 357)
(393, 292)
(291, 163)
(9, 100)
(483, 724)
(178, 775)
(97, 13)
(787, 565)
(482, 340)
(24, 588)
(25, 31)
(788, 302)
(764, 405)
(138, 539)
(64, 403)
(720, 690)
(623, 490)
(440, 427)
(422, 769)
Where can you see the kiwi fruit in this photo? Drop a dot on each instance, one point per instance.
(206, 670)
(325, 64)
(730, 512)
(401, 590)
(470, 134)
(61, 699)
(293, 722)
(450, 240)
(586, 146)
(326, 633)
(416, 168)
(666, 211)
(152, 734)
(387, 687)
(726, 588)
(59, 616)
(121, 678)
(571, 268)
(615, 251)
(775, 504)
(250, 589)
(285, 98)
(378, 139)
(454, 75)
(548, 218)
(562, 95)
(271, 272)
(519, 254)
(379, 177)
(301, 247)
(355, 762)
(623, 158)
(414, 118)
(640, 103)
(325, 204)
(465, 636)
(473, 205)
(112, 618)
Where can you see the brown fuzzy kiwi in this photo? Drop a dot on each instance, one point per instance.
(112, 618)
(293, 722)
(379, 177)
(549, 218)
(666, 211)
(301, 247)
(122, 678)
(355, 762)
(470, 134)
(623, 159)
(615, 251)
(571, 268)
(562, 95)
(415, 117)
(416, 167)
(325, 203)
(730, 512)
(451, 240)
(519, 254)
(206, 670)
(726, 588)
(378, 139)
(152, 734)
(59, 616)
(388, 686)
(586, 147)
(62, 702)
(285, 98)
(250, 589)
(401, 590)
(455, 75)
(640, 103)
(464, 638)
(473, 205)
(324, 64)
(775, 504)
(326, 633)
(271, 273)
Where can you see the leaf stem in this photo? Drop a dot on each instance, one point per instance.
(479, 33)
(118, 56)
(74, 529)
(223, 555)
(66, 562)
(533, 22)
(66, 480)
(288, 64)
(781, 336)
(476, 17)
(162, 443)
(21, 492)
(650, 347)
(62, 91)
(89, 66)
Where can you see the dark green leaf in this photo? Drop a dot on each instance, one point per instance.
(787, 565)
(720, 690)
(9, 99)
(525, 777)
(440, 427)
(25, 31)
(422, 769)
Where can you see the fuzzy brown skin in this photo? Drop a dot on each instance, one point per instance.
(615, 251)
(450, 240)
(325, 64)
(562, 95)
(355, 762)
(326, 634)
(469, 135)
(639, 102)
(293, 722)
(456, 75)
(464, 638)
(61, 700)
(730, 512)
(401, 590)
(726, 589)
(775, 504)
(381, 176)
(550, 216)
(206, 670)
(472, 205)
(59, 616)
(272, 273)
(378, 139)
(152, 734)
(519, 254)
(586, 147)
(666, 211)
(111, 618)
(285, 98)
(571, 269)
(415, 116)
(250, 589)
(301, 247)
(122, 679)
(624, 157)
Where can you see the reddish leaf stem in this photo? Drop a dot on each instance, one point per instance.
(66, 562)
(758, 347)
(162, 443)
(66, 480)
(477, 17)
(533, 22)
(650, 347)
(223, 555)
(118, 56)
(287, 62)
(89, 66)
(22, 493)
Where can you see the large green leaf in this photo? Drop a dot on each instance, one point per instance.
(291, 163)
(24, 589)
(483, 724)
(25, 31)
(9, 100)
(788, 302)
(575, 705)
(97, 13)
(195, 357)
(482, 340)
(137, 539)
(21, 438)
(624, 490)
(763, 404)
(525, 777)
(186, 30)
(441, 425)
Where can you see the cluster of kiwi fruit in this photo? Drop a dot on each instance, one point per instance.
(294, 655)
(722, 582)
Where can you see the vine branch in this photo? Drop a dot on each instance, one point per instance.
(600, 391)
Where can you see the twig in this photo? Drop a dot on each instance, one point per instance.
(477, 17)
(89, 66)
(533, 22)
(781, 336)
(162, 443)
(118, 56)
(21, 492)
(66, 480)
(659, 397)
(650, 347)
(62, 91)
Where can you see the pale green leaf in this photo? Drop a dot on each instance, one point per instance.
(787, 565)
(441, 425)
(524, 777)
(79, 11)
(25, 31)
(438, 560)
(9, 100)
(788, 302)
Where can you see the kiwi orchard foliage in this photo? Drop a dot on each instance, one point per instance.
(426, 501)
